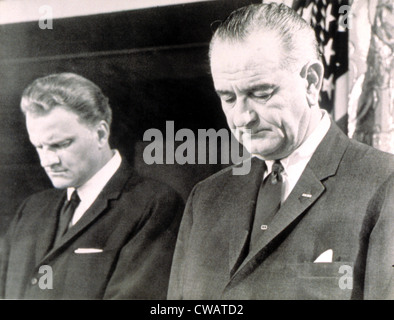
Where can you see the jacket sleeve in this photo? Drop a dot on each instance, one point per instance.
(180, 255)
(143, 266)
(379, 273)
(5, 244)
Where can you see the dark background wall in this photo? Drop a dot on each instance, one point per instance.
(151, 63)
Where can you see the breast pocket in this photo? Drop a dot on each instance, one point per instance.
(93, 263)
(321, 281)
(88, 273)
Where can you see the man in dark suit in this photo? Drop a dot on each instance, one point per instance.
(104, 232)
(313, 219)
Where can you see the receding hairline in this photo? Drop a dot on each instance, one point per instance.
(272, 37)
(286, 59)
(296, 37)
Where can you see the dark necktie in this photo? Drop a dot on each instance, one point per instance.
(66, 214)
(268, 202)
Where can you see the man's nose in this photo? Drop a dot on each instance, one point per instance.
(48, 158)
(244, 116)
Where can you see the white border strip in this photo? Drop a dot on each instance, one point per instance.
(15, 11)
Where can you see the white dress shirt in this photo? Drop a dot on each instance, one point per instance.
(90, 190)
(296, 162)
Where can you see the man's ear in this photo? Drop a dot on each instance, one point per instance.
(313, 72)
(102, 130)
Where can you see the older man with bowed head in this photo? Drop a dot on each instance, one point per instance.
(313, 219)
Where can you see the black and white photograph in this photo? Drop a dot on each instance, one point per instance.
(201, 151)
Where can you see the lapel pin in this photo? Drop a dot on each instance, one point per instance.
(307, 195)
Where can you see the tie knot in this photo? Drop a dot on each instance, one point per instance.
(75, 200)
(276, 174)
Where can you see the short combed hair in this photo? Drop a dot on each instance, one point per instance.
(297, 36)
(70, 91)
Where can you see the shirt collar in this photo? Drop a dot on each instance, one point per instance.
(95, 184)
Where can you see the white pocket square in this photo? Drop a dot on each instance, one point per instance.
(325, 257)
(88, 250)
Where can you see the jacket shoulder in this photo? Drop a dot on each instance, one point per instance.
(43, 197)
(364, 157)
(149, 188)
(218, 178)
(146, 197)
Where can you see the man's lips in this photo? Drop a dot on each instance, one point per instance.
(57, 172)
(254, 132)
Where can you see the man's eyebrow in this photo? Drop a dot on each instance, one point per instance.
(262, 87)
(223, 92)
(57, 142)
(60, 141)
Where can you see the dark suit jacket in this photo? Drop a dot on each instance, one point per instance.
(350, 211)
(133, 220)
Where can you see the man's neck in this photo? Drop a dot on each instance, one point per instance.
(107, 155)
(316, 116)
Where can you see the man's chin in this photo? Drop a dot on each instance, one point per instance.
(61, 183)
(266, 152)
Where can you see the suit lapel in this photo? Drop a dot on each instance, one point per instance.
(293, 207)
(240, 208)
(48, 226)
(308, 189)
(111, 191)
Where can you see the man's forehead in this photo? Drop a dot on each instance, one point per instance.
(52, 125)
(53, 116)
(260, 49)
